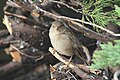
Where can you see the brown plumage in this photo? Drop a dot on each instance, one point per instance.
(65, 42)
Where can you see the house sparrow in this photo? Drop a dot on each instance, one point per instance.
(65, 42)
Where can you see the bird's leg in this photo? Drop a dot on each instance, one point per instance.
(69, 61)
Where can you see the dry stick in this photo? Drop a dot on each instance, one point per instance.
(73, 66)
(72, 19)
(40, 57)
(16, 15)
(102, 38)
(58, 2)
(63, 17)
(55, 17)
(97, 35)
(87, 32)
(7, 23)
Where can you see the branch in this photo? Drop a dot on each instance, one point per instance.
(55, 17)
(87, 32)
(58, 2)
(73, 66)
(7, 23)
(72, 19)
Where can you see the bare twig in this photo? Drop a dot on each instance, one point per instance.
(34, 57)
(73, 66)
(67, 6)
(55, 17)
(7, 23)
(72, 19)
(16, 15)
(87, 32)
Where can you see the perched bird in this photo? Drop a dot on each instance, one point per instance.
(65, 42)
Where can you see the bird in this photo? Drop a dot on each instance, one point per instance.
(65, 42)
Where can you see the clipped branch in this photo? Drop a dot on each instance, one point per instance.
(55, 17)
(72, 19)
(73, 66)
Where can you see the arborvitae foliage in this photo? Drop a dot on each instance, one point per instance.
(108, 55)
(117, 10)
(101, 11)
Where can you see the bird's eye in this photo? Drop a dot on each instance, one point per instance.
(60, 28)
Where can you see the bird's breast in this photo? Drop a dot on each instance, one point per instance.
(62, 44)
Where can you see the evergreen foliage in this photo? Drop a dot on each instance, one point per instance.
(109, 55)
(101, 11)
